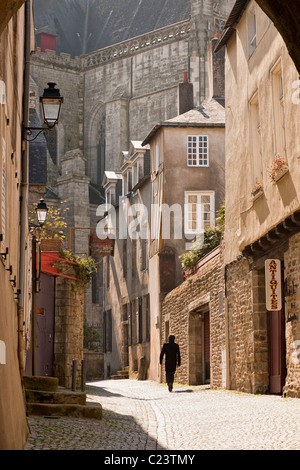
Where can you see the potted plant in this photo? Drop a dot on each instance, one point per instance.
(278, 169)
(257, 190)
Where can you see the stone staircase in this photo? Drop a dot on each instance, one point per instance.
(121, 374)
(44, 397)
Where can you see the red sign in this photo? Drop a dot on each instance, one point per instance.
(273, 284)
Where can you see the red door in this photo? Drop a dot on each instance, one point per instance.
(277, 352)
(206, 348)
(45, 326)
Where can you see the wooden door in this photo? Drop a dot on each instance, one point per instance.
(206, 348)
(45, 326)
(277, 352)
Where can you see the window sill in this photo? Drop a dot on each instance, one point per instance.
(198, 166)
(257, 194)
(280, 174)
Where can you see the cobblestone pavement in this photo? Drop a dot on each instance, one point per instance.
(143, 415)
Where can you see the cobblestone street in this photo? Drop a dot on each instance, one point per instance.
(143, 415)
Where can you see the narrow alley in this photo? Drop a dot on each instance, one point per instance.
(143, 415)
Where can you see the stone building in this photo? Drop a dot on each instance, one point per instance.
(126, 274)
(261, 240)
(187, 185)
(195, 313)
(118, 81)
(16, 36)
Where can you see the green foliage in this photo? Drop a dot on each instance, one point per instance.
(90, 337)
(87, 265)
(205, 242)
(55, 222)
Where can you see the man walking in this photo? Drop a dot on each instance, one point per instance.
(172, 352)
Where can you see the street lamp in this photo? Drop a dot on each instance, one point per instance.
(41, 212)
(51, 102)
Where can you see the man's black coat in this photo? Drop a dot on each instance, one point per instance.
(172, 352)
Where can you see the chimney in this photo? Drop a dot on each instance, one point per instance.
(46, 39)
(185, 95)
(216, 70)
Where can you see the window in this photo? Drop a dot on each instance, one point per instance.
(256, 148)
(197, 150)
(156, 162)
(135, 174)
(251, 26)
(278, 110)
(127, 182)
(140, 321)
(144, 253)
(108, 331)
(199, 211)
(147, 316)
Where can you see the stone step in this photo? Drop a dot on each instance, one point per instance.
(46, 384)
(61, 396)
(44, 397)
(121, 374)
(89, 410)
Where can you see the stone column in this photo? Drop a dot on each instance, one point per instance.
(69, 316)
(73, 188)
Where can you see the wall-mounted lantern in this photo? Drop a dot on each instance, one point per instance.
(51, 102)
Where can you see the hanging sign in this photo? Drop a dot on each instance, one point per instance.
(101, 247)
(273, 284)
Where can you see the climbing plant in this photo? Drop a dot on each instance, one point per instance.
(205, 242)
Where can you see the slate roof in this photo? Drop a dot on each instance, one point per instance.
(211, 113)
(84, 26)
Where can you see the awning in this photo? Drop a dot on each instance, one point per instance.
(47, 261)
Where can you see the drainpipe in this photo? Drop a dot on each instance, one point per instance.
(128, 102)
(24, 192)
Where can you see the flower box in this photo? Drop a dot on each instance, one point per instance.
(257, 191)
(279, 169)
(51, 244)
(280, 173)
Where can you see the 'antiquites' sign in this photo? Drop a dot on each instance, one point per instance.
(273, 284)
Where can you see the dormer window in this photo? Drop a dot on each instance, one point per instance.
(111, 184)
(137, 170)
(127, 181)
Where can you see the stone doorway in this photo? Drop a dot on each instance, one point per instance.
(199, 347)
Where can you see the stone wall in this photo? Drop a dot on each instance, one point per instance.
(239, 280)
(249, 336)
(94, 365)
(181, 315)
(68, 340)
(292, 317)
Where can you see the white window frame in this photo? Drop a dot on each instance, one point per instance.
(199, 157)
(256, 140)
(199, 210)
(127, 181)
(278, 110)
